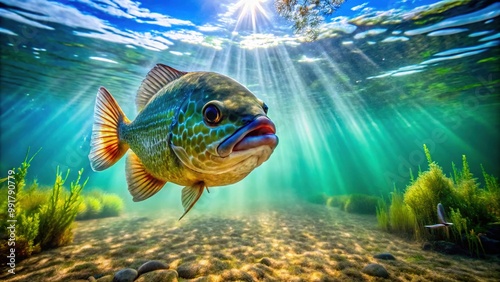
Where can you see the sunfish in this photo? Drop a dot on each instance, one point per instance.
(194, 129)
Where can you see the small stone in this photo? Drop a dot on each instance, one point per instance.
(188, 270)
(386, 256)
(125, 275)
(490, 246)
(426, 246)
(92, 279)
(151, 266)
(106, 278)
(161, 275)
(267, 261)
(446, 247)
(377, 270)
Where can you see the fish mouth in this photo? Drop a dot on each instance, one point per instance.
(259, 132)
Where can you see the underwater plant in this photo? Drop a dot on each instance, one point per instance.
(44, 216)
(471, 208)
(307, 15)
(97, 204)
(427, 191)
(57, 216)
(398, 217)
(361, 203)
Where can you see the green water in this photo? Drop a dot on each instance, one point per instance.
(343, 126)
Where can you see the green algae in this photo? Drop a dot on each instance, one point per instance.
(471, 207)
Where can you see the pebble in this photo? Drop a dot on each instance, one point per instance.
(377, 270)
(267, 261)
(188, 270)
(386, 256)
(162, 275)
(125, 275)
(151, 265)
(107, 278)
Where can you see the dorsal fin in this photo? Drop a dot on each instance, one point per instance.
(155, 80)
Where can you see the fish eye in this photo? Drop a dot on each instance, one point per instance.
(265, 107)
(211, 114)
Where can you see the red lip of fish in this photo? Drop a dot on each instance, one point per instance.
(261, 131)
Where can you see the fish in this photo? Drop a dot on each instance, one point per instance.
(443, 222)
(194, 129)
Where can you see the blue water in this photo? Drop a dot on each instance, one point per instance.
(352, 109)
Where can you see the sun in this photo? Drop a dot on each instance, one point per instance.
(251, 10)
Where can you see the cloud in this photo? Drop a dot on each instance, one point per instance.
(209, 28)
(48, 11)
(132, 10)
(18, 18)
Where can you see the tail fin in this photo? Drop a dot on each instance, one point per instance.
(106, 148)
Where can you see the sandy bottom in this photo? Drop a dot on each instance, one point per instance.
(302, 242)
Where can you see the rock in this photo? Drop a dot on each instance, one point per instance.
(236, 275)
(267, 261)
(106, 278)
(188, 270)
(91, 279)
(377, 270)
(446, 247)
(151, 266)
(125, 275)
(426, 246)
(493, 231)
(386, 256)
(161, 275)
(490, 246)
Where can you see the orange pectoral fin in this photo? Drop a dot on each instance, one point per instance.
(141, 184)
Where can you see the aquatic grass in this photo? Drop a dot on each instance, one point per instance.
(319, 198)
(112, 205)
(492, 193)
(398, 217)
(97, 204)
(57, 216)
(361, 203)
(430, 188)
(470, 207)
(93, 208)
(382, 213)
(44, 216)
(337, 201)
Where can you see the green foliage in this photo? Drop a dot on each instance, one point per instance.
(337, 201)
(459, 224)
(492, 195)
(401, 217)
(430, 188)
(97, 204)
(470, 207)
(360, 203)
(383, 215)
(308, 14)
(398, 217)
(59, 213)
(28, 230)
(319, 198)
(427, 155)
(112, 205)
(43, 216)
